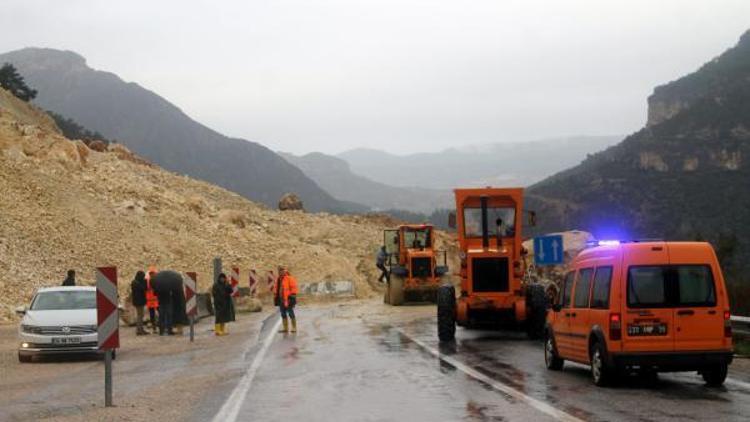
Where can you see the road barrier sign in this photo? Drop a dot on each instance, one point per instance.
(548, 250)
(107, 315)
(108, 322)
(235, 281)
(191, 302)
(270, 280)
(253, 280)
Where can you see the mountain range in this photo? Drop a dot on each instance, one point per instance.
(159, 131)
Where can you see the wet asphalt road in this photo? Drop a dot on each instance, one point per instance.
(345, 365)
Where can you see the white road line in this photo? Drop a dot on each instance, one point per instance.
(503, 388)
(737, 383)
(231, 407)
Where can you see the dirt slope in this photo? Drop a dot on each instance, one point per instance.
(66, 206)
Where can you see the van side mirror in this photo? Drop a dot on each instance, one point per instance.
(21, 310)
(556, 307)
(452, 220)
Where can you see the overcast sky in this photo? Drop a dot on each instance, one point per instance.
(399, 75)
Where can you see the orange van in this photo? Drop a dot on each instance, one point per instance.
(645, 306)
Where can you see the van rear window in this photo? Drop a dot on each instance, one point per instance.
(666, 286)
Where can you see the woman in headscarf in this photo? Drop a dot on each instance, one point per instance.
(223, 304)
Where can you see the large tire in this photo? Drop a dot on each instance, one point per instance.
(552, 360)
(715, 376)
(536, 307)
(446, 313)
(396, 290)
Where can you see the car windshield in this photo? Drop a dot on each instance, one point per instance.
(500, 220)
(62, 300)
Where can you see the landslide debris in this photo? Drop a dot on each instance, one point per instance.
(65, 205)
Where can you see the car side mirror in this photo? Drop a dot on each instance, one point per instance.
(452, 220)
(21, 310)
(556, 307)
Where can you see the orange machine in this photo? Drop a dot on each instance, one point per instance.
(488, 223)
(415, 266)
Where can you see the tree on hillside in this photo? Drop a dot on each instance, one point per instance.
(11, 80)
(72, 130)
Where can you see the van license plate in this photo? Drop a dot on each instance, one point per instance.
(647, 329)
(66, 340)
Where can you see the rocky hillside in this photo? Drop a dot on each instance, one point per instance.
(67, 206)
(160, 132)
(684, 176)
(335, 176)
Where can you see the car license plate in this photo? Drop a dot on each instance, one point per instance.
(647, 329)
(66, 340)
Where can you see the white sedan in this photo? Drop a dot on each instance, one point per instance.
(60, 320)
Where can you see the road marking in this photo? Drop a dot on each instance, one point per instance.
(231, 408)
(503, 388)
(738, 383)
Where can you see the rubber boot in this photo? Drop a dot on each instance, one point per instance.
(294, 325)
(217, 329)
(224, 331)
(284, 326)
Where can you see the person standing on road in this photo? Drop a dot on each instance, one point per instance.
(380, 263)
(138, 297)
(152, 302)
(223, 304)
(70, 280)
(285, 297)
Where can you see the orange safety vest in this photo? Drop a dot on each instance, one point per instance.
(288, 285)
(152, 302)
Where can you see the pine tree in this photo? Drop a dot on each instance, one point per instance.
(11, 80)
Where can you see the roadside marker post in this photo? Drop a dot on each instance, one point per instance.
(270, 279)
(191, 302)
(253, 280)
(234, 279)
(108, 320)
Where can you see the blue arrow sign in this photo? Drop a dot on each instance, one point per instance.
(548, 250)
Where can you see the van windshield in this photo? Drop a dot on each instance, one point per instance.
(665, 286)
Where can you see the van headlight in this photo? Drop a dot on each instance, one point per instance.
(29, 329)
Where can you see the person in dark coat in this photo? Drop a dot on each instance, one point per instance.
(70, 280)
(223, 304)
(138, 297)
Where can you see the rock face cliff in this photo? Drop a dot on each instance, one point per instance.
(160, 132)
(686, 175)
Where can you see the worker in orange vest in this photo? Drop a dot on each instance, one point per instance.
(285, 297)
(152, 302)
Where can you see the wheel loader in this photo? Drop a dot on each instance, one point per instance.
(488, 223)
(415, 266)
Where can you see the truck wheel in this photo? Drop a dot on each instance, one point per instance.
(551, 359)
(24, 358)
(536, 305)
(446, 313)
(715, 376)
(396, 290)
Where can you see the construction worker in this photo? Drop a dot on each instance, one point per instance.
(138, 297)
(223, 304)
(285, 297)
(152, 301)
(70, 280)
(380, 263)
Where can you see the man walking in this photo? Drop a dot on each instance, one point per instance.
(223, 304)
(70, 280)
(285, 297)
(380, 263)
(138, 297)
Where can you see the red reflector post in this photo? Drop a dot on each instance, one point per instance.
(615, 327)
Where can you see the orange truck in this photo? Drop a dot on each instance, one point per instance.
(644, 307)
(488, 223)
(415, 266)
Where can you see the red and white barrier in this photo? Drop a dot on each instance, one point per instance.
(235, 281)
(191, 285)
(253, 280)
(107, 315)
(270, 280)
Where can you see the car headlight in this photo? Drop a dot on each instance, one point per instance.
(30, 329)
